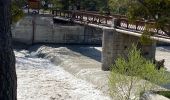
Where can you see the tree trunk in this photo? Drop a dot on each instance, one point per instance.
(8, 79)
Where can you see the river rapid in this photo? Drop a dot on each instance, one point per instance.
(39, 79)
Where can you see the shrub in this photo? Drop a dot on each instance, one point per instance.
(17, 12)
(132, 75)
(164, 93)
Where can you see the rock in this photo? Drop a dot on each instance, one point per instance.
(152, 96)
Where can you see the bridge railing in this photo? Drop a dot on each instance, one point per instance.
(122, 22)
(83, 16)
(141, 25)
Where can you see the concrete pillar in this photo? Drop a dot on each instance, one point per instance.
(107, 49)
(117, 44)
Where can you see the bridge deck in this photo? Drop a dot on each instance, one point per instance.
(94, 19)
(104, 21)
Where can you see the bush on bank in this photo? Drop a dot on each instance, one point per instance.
(132, 75)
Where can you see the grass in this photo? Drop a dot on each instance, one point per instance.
(164, 93)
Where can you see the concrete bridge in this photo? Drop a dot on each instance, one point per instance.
(115, 33)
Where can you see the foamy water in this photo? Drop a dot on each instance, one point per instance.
(39, 79)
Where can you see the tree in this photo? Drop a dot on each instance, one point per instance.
(133, 75)
(149, 10)
(17, 12)
(94, 5)
(8, 79)
(89, 5)
(119, 6)
(20, 3)
(152, 10)
(56, 4)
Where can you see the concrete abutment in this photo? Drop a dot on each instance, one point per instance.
(116, 44)
(39, 29)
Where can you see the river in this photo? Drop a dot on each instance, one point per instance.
(39, 79)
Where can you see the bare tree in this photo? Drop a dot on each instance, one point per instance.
(8, 79)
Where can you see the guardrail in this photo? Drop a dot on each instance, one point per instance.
(117, 21)
(83, 16)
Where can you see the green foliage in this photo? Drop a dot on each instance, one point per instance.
(56, 4)
(20, 3)
(164, 93)
(94, 5)
(155, 10)
(134, 75)
(91, 5)
(17, 12)
(119, 6)
(145, 38)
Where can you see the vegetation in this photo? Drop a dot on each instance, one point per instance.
(56, 4)
(164, 93)
(148, 10)
(94, 5)
(89, 5)
(16, 10)
(20, 3)
(156, 10)
(132, 75)
(119, 6)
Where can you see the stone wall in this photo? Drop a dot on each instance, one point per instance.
(93, 35)
(38, 29)
(22, 31)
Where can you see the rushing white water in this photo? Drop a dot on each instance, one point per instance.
(39, 79)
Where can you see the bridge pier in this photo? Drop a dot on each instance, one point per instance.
(116, 44)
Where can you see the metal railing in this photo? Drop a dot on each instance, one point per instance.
(122, 22)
